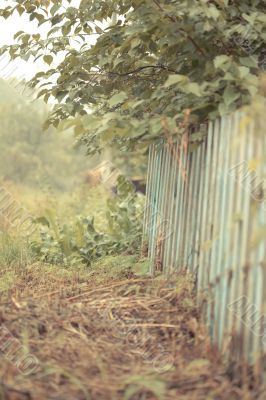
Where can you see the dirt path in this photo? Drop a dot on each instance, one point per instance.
(130, 339)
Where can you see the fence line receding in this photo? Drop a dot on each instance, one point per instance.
(206, 211)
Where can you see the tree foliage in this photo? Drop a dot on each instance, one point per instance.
(27, 155)
(132, 68)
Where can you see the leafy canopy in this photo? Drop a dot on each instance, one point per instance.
(131, 68)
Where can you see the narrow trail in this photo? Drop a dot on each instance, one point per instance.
(128, 339)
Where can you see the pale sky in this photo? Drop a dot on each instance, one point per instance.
(9, 27)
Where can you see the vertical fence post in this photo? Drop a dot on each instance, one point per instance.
(206, 220)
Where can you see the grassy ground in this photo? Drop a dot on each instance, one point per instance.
(107, 331)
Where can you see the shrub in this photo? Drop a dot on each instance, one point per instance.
(80, 242)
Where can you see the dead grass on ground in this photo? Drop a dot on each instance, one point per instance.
(130, 338)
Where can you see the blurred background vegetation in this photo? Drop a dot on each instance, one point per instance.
(30, 155)
(76, 222)
(35, 157)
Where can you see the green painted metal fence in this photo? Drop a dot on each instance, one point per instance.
(206, 212)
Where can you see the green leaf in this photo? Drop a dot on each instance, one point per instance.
(135, 43)
(251, 62)
(48, 59)
(18, 34)
(117, 99)
(222, 109)
(98, 29)
(214, 12)
(193, 88)
(175, 79)
(137, 383)
(230, 95)
(42, 220)
(66, 29)
(20, 9)
(42, 92)
(55, 8)
(243, 72)
(25, 38)
(220, 61)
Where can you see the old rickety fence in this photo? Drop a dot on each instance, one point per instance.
(206, 212)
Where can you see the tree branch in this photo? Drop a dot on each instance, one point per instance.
(142, 68)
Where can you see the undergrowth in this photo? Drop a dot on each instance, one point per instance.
(79, 241)
(14, 251)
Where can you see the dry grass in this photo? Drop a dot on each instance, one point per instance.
(127, 338)
(65, 206)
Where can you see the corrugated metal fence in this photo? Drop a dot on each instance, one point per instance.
(206, 211)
